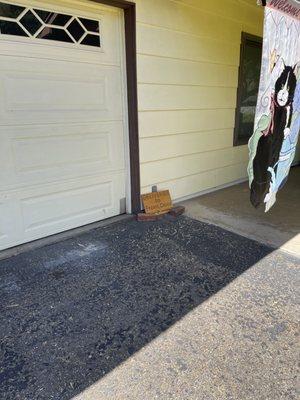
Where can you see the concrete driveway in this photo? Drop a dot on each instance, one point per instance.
(177, 309)
(231, 209)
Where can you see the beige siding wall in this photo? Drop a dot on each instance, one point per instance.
(188, 57)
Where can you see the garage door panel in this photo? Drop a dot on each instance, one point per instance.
(60, 207)
(4, 223)
(46, 153)
(43, 211)
(62, 128)
(49, 98)
(49, 93)
(9, 220)
(50, 209)
(110, 31)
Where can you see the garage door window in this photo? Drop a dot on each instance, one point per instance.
(49, 25)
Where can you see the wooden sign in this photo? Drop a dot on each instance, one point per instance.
(157, 202)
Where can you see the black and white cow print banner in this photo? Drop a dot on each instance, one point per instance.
(277, 121)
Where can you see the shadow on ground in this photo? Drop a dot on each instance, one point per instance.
(72, 311)
(231, 209)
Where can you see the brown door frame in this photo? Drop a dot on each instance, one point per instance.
(131, 72)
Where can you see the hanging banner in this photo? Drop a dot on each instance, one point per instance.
(277, 122)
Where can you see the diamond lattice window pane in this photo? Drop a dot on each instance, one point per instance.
(30, 22)
(50, 25)
(11, 28)
(10, 11)
(76, 30)
(52, 18)
(90, 25)
(91, 40)
(55, 34)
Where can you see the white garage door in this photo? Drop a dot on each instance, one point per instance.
(62, 118)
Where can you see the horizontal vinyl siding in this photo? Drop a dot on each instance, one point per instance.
(154, 97)
(203, 181)
(164, 123)
(190, 164)
(168, 71)
(188, 58)
(162, 147)
(152, 40)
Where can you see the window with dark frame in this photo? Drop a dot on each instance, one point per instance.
(248, 85)
(34, 23)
